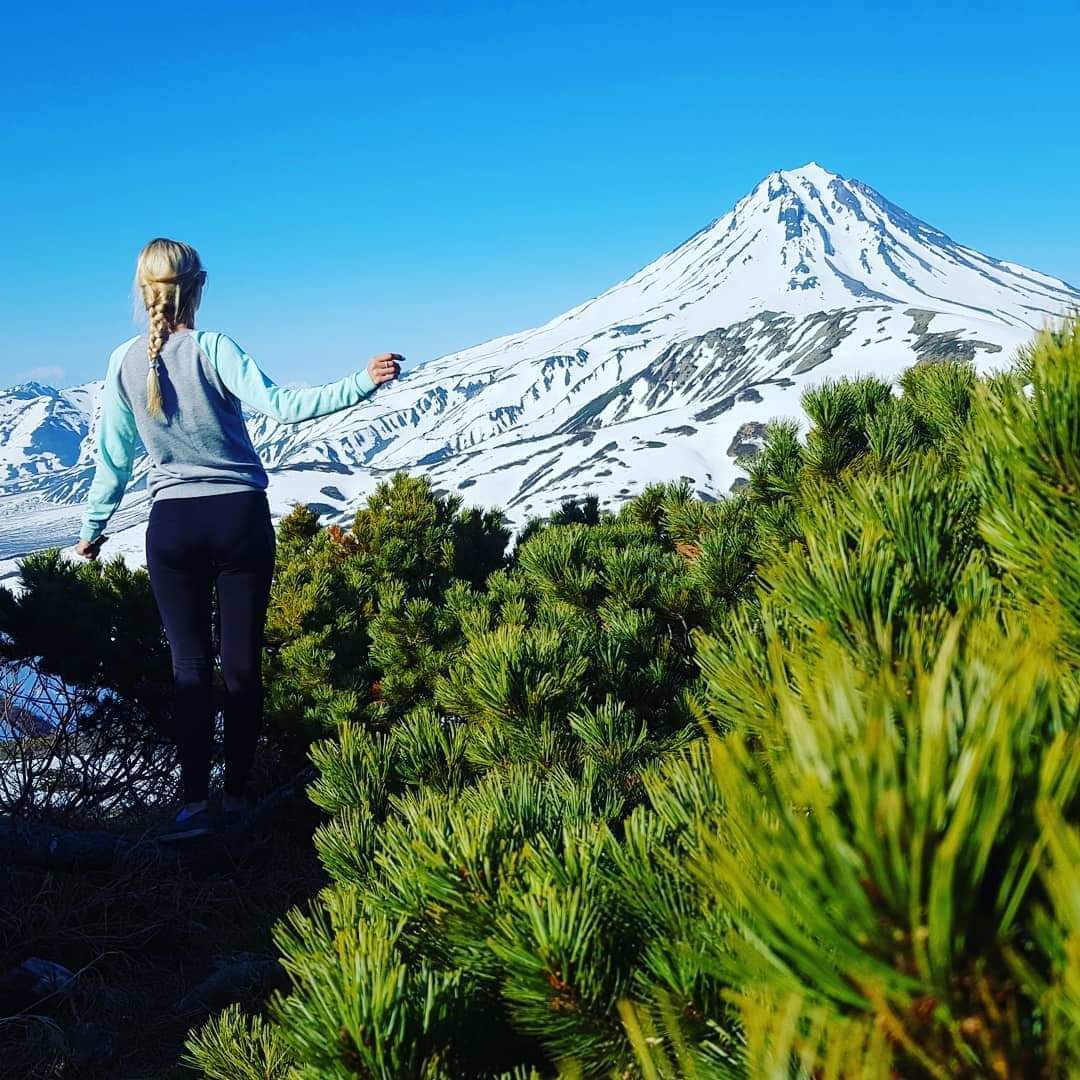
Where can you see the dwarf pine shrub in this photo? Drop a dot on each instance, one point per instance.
(784, 785)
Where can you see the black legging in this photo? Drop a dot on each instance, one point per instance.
(194, 546)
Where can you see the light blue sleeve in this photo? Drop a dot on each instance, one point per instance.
(117, 439)
(287, 405)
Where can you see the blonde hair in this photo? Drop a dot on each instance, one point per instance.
(169, 278)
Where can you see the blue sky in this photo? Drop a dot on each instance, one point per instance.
(422, 177)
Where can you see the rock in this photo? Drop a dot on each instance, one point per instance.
(233, 981)
(35, 984)
(50, 977)
(747, 441)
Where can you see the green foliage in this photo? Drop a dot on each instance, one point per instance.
(1056, 929)
(89, 624)
(369, 1011)
(882, 857)
(238, 1047)
(840, 413)
(783, 785)
(1027, 471)
(509, 716)
(407, 550)
(94, 629)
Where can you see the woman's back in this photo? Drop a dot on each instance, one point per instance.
(200, 446)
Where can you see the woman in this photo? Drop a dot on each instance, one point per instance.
(181, 390)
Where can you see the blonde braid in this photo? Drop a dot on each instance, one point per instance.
(161, 324)
(169, 278)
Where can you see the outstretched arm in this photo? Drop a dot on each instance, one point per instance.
(116, 441)
(291, 405)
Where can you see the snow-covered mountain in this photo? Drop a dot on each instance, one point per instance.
(672, 372)
(42, 430)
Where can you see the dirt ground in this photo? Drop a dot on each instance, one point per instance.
(142, 942)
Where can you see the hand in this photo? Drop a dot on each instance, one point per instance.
(89, 549)
(385, 367)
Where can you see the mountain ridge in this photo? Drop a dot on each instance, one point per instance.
(809, 275)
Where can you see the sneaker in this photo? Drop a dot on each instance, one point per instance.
(186, 826)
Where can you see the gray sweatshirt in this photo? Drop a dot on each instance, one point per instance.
(201, 446)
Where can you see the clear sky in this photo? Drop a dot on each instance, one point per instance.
(421, 177)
